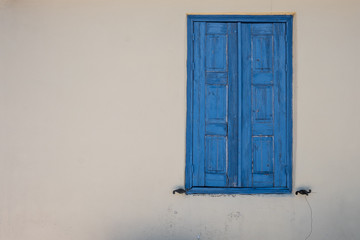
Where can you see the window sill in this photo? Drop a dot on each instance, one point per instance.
(210, 190)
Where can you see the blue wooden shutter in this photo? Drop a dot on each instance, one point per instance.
(215, 109)
(264, 105)
(239, 105)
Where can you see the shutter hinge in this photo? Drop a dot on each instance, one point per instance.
(192, 169)
(193, 37)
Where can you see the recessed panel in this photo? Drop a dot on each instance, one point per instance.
(216, 77)
(216, 129)
(262, 128)
(262, 28)
(263, 180)
(262, 53)
(216, 28)
(215, 154)
(262, 154)
(215, 179)
(262, 78)
(215, 103)
(262, 103)
(216, 53)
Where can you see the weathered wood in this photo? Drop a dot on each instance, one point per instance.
(239, 124)
(199, 105)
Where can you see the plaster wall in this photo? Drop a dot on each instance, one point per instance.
(93, 110)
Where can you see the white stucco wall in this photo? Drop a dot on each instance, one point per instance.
(92, 116)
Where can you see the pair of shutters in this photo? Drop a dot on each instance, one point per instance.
(239, 105)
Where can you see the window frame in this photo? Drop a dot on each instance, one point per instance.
(288, 20)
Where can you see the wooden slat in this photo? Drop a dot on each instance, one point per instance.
(246, 177)
(280, 131)
(199, 105)
(233, 106)
(240, 103)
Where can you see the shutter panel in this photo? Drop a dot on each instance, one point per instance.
(264, 105)
(215, 105)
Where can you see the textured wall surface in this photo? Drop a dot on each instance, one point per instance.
(93, 104)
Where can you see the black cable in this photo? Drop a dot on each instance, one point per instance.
(311, 219)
